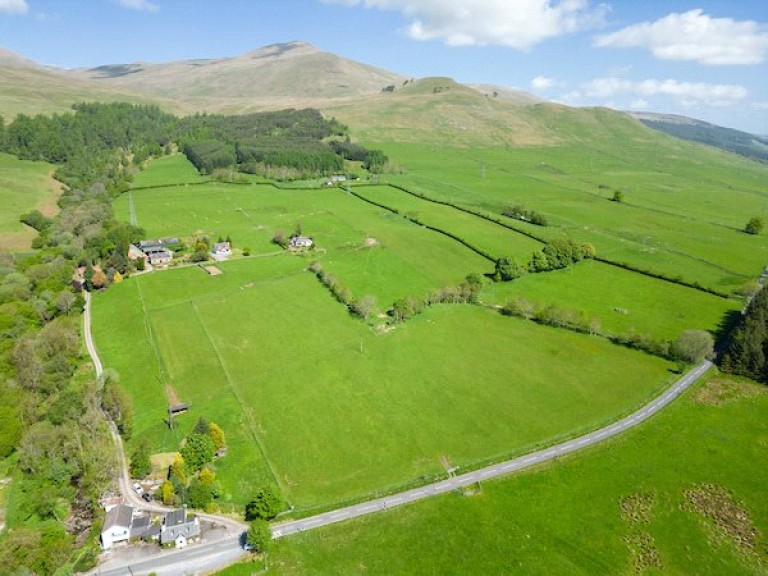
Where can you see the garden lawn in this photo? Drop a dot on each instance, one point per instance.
(566, 517)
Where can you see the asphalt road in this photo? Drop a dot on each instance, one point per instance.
(205, 557)
(495, 470)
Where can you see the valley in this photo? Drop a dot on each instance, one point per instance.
(391, 353)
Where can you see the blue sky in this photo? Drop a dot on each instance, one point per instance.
(706, 59)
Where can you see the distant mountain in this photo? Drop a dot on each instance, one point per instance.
(380, 106)
(281, 75)
(736, 141)
(30, 88)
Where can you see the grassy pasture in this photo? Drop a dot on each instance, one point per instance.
(566, 517)
(622, 300)
(340, 411)
(493, 239)
(173, 170)
(24, 186)
(683, 212)
(404, 260)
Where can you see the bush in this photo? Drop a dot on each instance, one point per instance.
(264, 505)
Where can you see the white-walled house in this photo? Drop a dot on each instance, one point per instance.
(117, 526)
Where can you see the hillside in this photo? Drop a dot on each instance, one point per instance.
(28, 88)
(281, 75)
(735, 141)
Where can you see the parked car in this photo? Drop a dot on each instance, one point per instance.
(146, 497)
(137, 488)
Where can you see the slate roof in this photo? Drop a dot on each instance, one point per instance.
(118, 516)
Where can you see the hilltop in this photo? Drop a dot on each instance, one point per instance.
(280, 75)
(381, 105)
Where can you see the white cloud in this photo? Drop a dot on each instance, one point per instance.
(685, 93)
(638, 104)
(145, 5)
(14, 6)
(695, 36)
(544, 83)
(519, 24)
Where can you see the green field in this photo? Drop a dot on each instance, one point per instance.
(566, 517)
(334, 411)
(173, 170)
(683, 212)
(621, 300)
(24, 186)
(340, 411)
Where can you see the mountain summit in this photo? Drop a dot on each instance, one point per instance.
(291, 74)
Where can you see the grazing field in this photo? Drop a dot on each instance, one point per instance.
(173, 170)
(489, 237)
(620, 508)
(24, 186)
(371, 250)
(683, 211)
(621, 300)
(340, 411)
(331, 410)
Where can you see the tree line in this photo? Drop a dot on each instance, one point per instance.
(747, 352)
(302, 142)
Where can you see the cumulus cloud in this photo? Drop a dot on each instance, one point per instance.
(145, 5)
(695, 36)
(544, 83)
(685, 93)
(519, 24)
(14, 6)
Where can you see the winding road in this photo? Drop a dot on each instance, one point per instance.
(204, 557)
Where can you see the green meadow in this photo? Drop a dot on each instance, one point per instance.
(329, 408)
(621, 300)
(172, 170)
(683, 212)
(619, 508)
(24, 186)
(341, 412)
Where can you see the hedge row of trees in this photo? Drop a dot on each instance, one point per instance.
(520, 212)
(690, 346)
(556, 254)
(627, 266)
(363, 307)
(466, 292)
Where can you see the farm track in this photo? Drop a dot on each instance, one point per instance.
(233, 527)
(163, 564)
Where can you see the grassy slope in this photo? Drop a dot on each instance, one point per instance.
(23, 187)
(566, 163)
(623, 301)
(28, 90)
(565, 518)
(336, 423)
